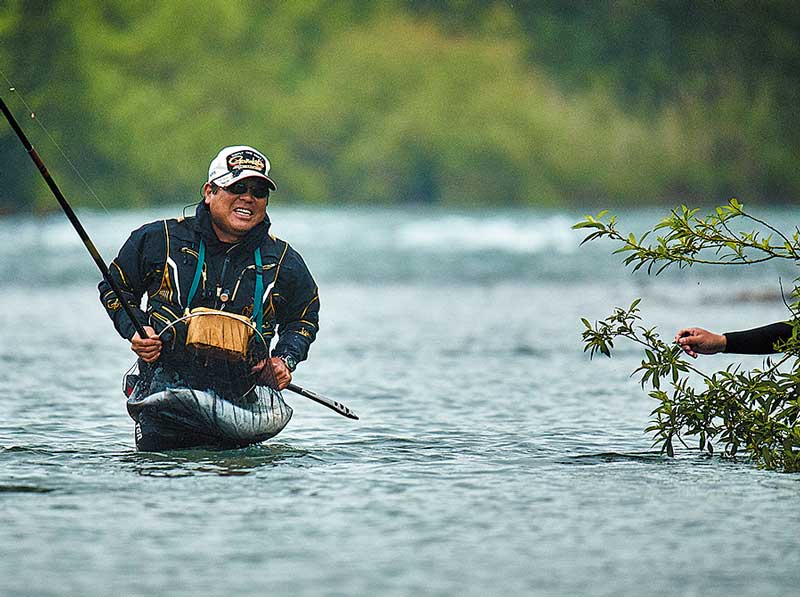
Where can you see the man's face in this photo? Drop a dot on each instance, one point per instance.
(234, 215)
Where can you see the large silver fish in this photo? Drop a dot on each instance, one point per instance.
(258, 416)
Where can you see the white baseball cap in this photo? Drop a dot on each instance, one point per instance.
(238, 162)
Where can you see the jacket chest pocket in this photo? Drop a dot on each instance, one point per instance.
(244, 289)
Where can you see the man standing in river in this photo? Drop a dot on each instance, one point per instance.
(221, 258)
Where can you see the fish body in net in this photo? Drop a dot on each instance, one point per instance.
(203, 390)
(256, 417)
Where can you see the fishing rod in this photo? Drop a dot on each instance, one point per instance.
(62, 201)
(101, 264)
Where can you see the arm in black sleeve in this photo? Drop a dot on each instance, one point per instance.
(298, 318)
(758, 340)
(129, 272)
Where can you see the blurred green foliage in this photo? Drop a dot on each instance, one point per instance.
(458, 102)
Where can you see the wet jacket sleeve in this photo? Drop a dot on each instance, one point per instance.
(758, 340)
(131, 273)
(298, 318)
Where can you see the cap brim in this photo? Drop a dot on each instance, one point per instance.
(229, 178)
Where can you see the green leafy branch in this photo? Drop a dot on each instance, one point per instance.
(751, 412)
(687, 239)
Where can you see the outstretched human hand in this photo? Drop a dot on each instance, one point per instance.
(148, 349)
(695, 341)
(273, 373)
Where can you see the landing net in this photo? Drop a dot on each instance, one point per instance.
(204, 384)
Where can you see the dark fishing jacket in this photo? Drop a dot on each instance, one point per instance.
(761, 340)
(161, 259)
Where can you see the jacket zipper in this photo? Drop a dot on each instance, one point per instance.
(220, 291)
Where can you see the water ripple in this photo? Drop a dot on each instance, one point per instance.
(25, 489)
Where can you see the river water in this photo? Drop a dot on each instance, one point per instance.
(492, 456)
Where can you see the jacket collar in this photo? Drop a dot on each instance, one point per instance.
(213, 245)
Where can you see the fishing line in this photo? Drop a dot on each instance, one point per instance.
(191, 205)
(12, 88)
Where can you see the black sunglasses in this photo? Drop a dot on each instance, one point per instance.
(258, 188)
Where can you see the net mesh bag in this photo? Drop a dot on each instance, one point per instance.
(213, 382)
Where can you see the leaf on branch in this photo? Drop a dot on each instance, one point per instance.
(589, 224)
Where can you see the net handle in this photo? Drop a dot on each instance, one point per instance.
(334, 405)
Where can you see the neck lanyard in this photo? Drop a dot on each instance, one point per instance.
(258, 298)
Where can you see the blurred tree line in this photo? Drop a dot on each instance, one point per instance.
(460, 102)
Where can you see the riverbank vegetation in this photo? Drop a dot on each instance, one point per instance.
(755, 414)
(456, 102)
